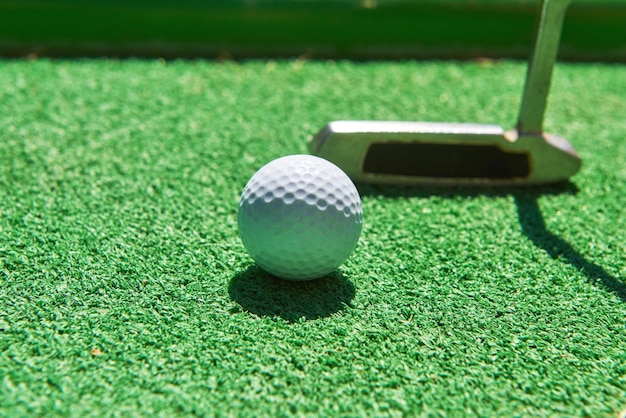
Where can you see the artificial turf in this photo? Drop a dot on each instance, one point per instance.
(125, 290)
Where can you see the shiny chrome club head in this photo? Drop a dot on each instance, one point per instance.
(458, 153)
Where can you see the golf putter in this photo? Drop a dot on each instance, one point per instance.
(425, 153)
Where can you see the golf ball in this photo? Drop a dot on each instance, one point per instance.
(300, 217)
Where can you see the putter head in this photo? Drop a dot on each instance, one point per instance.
(422, 153)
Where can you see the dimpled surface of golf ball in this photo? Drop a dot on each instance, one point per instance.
(300, 217)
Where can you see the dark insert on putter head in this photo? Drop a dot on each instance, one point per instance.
(414, 159)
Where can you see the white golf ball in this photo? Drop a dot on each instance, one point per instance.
(300, 217)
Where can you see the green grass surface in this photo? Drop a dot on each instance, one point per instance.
(125, 290)
(337, 29)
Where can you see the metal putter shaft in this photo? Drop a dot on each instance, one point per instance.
(460, 153)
